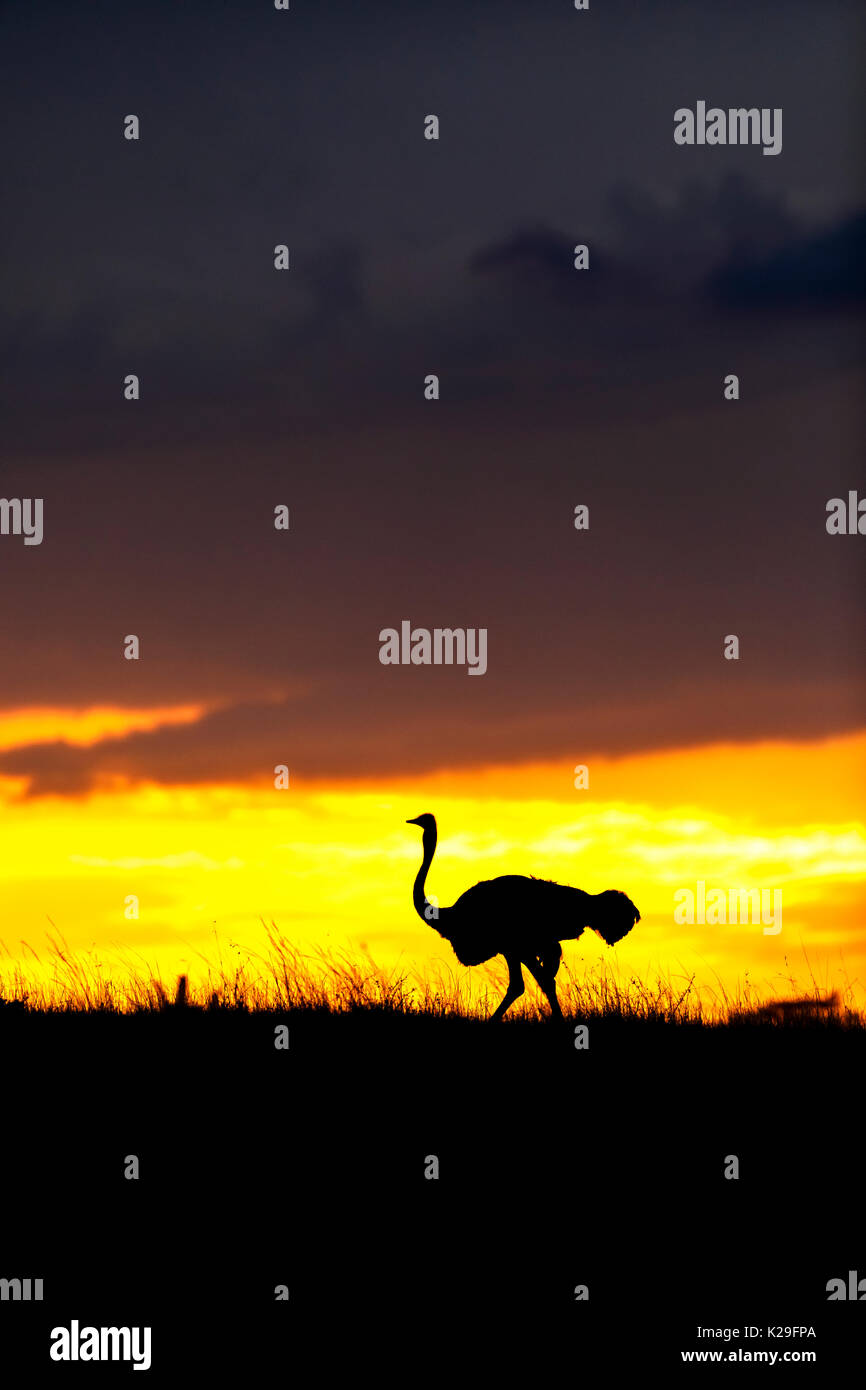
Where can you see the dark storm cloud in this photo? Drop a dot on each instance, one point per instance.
(259, 128)
(306, 387)
(827, 270)
(509, 303)
(539, 264)
(645, 244)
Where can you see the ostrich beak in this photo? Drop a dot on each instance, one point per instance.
(413, 822)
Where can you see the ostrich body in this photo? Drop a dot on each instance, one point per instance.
(522, 919)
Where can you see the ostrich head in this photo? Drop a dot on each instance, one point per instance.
(426, 822)
(613, 915)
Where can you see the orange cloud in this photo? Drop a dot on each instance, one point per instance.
(82, 728)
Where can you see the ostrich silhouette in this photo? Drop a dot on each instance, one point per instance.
(522, 919)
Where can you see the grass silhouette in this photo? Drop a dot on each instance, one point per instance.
(286, 980)
(310, 1159)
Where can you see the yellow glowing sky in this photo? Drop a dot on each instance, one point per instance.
(333, 864)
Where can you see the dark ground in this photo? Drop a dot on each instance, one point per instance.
(558, 1167)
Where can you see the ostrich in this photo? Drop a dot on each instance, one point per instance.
(523, 919)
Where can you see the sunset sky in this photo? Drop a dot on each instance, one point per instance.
(331, 863)
(305, 388)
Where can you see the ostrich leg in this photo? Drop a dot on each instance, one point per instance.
(516, 987)
(545, 981)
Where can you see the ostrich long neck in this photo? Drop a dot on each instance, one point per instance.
(421, 902)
